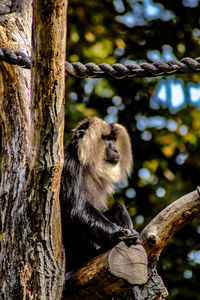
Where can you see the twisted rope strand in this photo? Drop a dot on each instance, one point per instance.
(116, 71)
(15, 58)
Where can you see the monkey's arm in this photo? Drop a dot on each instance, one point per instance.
(77, 209)
(87, 218)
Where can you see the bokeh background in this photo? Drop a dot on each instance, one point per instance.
(161, 114)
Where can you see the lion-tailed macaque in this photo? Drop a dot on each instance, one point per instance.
(98, 156)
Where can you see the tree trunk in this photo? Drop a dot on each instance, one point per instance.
(32, 257)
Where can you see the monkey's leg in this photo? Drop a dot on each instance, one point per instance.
(118, 214)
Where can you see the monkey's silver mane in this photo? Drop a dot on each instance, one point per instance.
(101, 176)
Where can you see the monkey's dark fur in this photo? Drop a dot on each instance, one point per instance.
(98, 156)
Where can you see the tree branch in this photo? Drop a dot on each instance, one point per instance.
(114, 271)
(171, 219)
(90, 279)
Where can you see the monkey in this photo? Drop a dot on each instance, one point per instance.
(98, 157)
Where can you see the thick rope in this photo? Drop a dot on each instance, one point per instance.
(116, 71)
(15, 58)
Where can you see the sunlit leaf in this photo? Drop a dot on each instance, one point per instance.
(168, 151)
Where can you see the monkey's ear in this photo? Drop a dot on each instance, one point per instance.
(80, 130)
(80, 133)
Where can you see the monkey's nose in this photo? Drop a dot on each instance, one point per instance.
(112, 156)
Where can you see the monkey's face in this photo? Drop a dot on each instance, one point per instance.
(104, 148)
(112, 155)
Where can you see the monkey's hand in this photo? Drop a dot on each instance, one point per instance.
(129, 236)
(132, 239)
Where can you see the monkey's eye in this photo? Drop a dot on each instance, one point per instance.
(108, 138)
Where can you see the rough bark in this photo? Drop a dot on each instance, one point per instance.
(32, 257)
(8, 6)
(171, 219)
(15, 33)
(105, 275)
(154, 238)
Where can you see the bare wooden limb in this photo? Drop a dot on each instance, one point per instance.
(117, 269)
(45, 153)
(128, 263)
(95, 280)
(158, 232)
(45, 156)
(171, 219)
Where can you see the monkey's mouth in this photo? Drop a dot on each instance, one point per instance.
(112, 157)
(112, 161)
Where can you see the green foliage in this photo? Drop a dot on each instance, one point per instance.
(165, 141)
